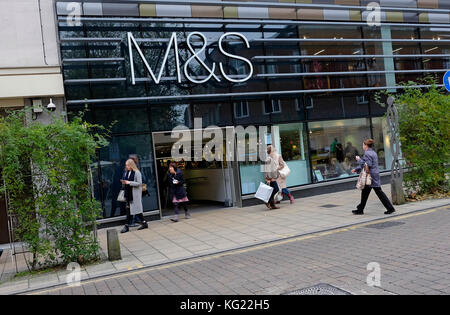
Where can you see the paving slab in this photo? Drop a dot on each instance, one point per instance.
(224, 229)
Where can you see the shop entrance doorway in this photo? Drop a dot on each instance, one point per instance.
(208, 184)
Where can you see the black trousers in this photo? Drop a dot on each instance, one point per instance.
(381, 195)
(140, 216)
(276, 189)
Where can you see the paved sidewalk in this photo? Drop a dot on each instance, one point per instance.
(219, 230)
(411, 252)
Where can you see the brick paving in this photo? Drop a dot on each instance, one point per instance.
(214, 231)
(414, 258)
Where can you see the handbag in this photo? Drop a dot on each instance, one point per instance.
(365, 179)
(264, 192)
(278, 196)
(121, 196)
(368, 176)
(285, 171)
(144, 190)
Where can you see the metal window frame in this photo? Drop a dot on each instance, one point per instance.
(83, 60)
(348, 56)
(264, 40)
(237, 95)
(340, 73)
(260, 76)
(241, 103)
(256, 4)
(267, 22)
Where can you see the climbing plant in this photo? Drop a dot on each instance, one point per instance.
(45, 170)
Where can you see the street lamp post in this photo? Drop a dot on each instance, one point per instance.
(397, 194)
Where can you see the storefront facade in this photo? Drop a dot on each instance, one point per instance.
(312, 70)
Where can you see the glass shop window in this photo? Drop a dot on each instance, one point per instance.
(334, 146)
(241, 109)
(272, 107)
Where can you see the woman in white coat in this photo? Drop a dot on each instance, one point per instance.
(132, 184)
(281, 180)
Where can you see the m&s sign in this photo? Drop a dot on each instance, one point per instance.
(173, 44)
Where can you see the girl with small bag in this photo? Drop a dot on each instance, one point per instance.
(284, 172)
(177, 191)
(271, 175)
(370, 178)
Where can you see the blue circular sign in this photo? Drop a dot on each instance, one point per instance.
(447, 81)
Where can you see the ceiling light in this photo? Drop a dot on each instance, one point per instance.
(431, 49)
(319, 52)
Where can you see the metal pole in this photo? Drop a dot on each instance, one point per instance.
(397, 194)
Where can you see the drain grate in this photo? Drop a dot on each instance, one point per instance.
(319, 289)
(384, 225)
(329, 206)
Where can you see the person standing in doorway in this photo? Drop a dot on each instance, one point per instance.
(370, 159)
(271, 174)
(281, 181)
(132, 182)
(177, 191)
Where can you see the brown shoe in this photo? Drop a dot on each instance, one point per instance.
(274, 207)
(268, 206)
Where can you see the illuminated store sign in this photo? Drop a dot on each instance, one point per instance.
(173, 44)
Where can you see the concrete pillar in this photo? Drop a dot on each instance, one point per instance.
(113, 245)
(389, 61)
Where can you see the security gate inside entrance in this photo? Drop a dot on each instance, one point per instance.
(208, 183)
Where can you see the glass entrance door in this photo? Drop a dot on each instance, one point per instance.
(207, 183)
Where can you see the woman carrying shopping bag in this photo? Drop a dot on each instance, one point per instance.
(271, 174)
(284, 172)
(370, 163)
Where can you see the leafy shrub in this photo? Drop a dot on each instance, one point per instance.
(424, 120)
(45, 170)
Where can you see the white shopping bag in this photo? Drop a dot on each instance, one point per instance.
(264, 192)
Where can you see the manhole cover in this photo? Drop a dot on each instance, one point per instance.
(329, 206)
(384, 225)
(319, 289)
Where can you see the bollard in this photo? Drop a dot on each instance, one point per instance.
(113, 245)
(398, 196)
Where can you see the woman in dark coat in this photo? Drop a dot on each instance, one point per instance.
(371, 159)
(177, 192)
